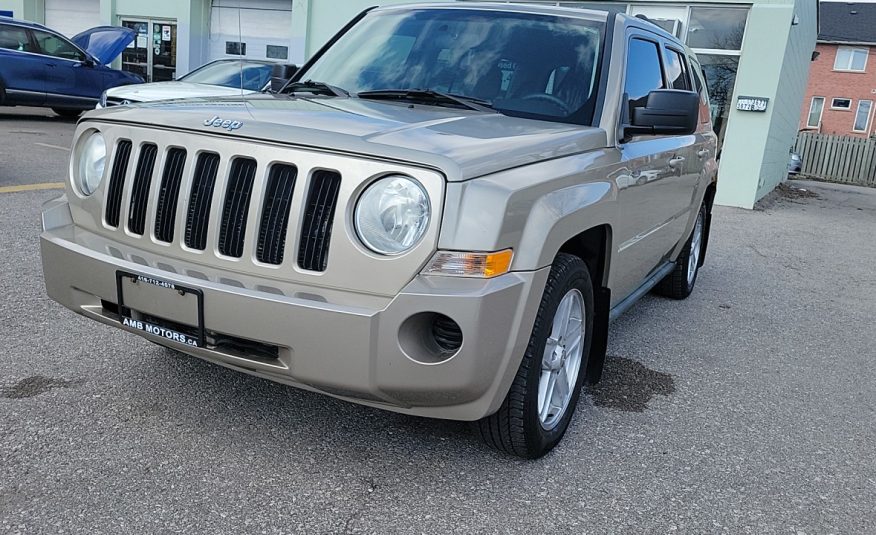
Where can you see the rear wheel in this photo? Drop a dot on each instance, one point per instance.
(67, 113)
(680, 283)
(539, 406)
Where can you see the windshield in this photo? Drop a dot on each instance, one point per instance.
(228, 74)
(536, 66)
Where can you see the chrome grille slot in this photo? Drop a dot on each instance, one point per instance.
(275, 214)
(198, 214)
(316, 231)
(168, 194)
(140, 188)
(117, 183)
(238, 191)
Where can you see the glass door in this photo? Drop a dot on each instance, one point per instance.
(163, 51)
(152, 54)
(135, 58)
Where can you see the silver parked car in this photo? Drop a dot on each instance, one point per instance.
(439, 214)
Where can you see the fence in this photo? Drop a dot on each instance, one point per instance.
(844, 159)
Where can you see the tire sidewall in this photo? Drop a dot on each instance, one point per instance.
(701, 217)
(542, 440)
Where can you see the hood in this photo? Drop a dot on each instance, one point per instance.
(462, 144)
(105, 43)
(172, 90)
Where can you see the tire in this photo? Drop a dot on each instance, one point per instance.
(518, 428)
(67, 113)
(680, 283)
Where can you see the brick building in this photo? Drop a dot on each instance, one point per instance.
(841, 94)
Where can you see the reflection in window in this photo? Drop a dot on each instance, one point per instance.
(676, 72)
(643, 72)
(720, 74)
(850, 59)
(716, 27)
(862, 117)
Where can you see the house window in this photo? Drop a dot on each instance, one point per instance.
(815, 110)
(841, 104)
(862, 117)
(850, 59)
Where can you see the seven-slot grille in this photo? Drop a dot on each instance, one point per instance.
(237, 192)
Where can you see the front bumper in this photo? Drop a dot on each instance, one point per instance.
(336, 342)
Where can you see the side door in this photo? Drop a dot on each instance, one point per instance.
(684, 199)
(71, 76)
(652, 176)
(22, 69)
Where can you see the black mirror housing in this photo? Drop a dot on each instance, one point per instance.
(280, 75)
(667, 112)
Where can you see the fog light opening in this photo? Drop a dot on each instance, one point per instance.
(430, 338)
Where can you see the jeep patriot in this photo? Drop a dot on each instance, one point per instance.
(438, 214)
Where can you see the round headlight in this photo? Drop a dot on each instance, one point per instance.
(92, 160)
(392, 215)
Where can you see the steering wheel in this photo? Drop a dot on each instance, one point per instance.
(556, 101)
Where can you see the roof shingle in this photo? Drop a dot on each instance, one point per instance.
(849, 22)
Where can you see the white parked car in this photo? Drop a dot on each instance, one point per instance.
(220, 78)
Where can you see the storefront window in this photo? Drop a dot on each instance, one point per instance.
(718, 28)
(720, 73)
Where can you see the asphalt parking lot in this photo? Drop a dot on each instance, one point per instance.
(748, 408)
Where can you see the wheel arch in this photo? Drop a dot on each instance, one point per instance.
(708, 202)
(593, 246)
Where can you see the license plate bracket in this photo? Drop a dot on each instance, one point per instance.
(127, 318)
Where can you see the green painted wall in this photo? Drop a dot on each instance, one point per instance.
(774, 64)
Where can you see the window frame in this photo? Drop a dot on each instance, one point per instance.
(820, 113)
(833, 105)
(852, 50)
(867, 120)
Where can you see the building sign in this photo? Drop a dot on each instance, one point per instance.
(752, 103)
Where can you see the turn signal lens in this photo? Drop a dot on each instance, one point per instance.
(463, 264)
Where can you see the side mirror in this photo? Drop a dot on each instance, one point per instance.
(280, 75)
(667, 112)
(87, 62)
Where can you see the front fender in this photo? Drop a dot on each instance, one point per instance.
(533, 210)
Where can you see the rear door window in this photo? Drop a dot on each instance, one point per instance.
(644, 72)
(676, 70)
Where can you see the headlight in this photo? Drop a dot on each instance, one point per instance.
(392, 215)
(92, 160)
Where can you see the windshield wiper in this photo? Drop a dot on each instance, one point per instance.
(317, 88)
(429, 95)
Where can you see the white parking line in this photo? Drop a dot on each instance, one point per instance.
(53, 146)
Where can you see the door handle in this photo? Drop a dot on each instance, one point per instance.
(702, 153)
(676, 161)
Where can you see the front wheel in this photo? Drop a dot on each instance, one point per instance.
(540, 403)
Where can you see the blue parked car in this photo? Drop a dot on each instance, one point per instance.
(40, 67)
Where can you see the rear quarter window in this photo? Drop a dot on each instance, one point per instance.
(14, 38)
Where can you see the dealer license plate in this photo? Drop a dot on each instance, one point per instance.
(159, 299)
